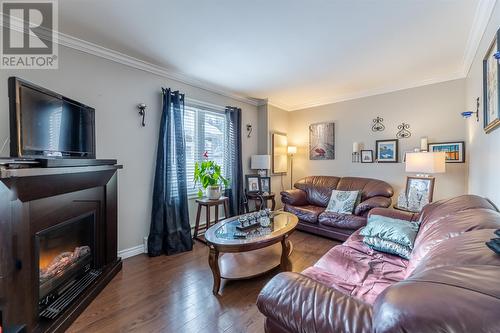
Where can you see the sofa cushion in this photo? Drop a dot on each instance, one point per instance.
(369, 187)
(307, 213)
(318, 188)
(357, 271)
(447, 219)
(344, 221)
(342, 201)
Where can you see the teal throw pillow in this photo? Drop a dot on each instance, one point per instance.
(342, 202)
(390, 235)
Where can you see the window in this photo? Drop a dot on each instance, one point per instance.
(205, 130)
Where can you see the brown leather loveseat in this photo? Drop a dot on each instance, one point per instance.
(450, 284)
(311, 196)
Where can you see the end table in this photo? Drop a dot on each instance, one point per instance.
(207, 203)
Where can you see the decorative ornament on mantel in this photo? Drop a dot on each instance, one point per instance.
(404, 132)
(378, 126)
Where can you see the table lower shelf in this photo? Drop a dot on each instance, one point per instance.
(246, 265)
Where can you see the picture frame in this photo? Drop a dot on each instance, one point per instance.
(322, 141)
(265, 185)
(491, 81)
(253, 183)
(423, 185)
(387, 151)
(366, 156)
(455, 151)
(279, 153)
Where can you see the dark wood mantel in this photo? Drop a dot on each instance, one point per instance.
(35, 198)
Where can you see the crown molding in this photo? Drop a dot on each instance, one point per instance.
(482, 16)
(368, 93)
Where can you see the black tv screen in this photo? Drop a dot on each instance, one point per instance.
(44, 123)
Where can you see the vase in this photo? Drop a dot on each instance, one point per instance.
(213, 192)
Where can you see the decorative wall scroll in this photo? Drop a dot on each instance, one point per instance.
(403, 132)
(377, 125)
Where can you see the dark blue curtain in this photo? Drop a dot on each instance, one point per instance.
(234, 160)
(170, 232)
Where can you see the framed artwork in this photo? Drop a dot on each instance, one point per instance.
(253, 183)
(265, 184)
(455, 151)
(421, 187)
(322, 141)
(367, 156)
(491, 111)
(387, 151)
(280, 153)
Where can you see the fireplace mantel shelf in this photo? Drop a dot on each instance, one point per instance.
(6, 173)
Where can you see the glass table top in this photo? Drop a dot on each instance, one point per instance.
(227, 230)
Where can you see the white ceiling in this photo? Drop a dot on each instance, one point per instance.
(296, 53)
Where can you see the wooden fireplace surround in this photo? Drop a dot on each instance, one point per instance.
(34, 199)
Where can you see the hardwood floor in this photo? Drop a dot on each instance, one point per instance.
(174, 294)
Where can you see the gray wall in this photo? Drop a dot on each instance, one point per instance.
(115, 90)
(432, 111)
(483, 149)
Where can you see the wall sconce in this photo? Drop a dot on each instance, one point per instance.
(468, 114)
(142, 112)
(355, 153)
(249, 130)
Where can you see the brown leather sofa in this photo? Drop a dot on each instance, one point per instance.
(450, 284)
(311, 196)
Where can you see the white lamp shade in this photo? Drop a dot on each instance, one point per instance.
(292, 150)
(426, 162)
(260, 162)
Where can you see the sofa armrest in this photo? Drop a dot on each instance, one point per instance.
(294, 197)
(300, 304)
(374, 202)
(394, 214)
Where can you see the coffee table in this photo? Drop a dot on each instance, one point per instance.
(263, 250)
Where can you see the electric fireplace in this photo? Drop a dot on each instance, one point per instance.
(58, 244)
(66, 252)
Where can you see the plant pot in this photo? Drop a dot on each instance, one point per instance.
(213, 192)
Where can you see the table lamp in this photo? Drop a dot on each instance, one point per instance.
(261, 163)
(425, 163)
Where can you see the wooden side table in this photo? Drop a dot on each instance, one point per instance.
(207, 203)
(261, 200)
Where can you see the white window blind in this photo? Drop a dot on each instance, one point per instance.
(205, 130)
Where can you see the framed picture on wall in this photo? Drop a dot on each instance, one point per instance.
(253, 183)
(455, 151)
(387, 151)
(367, 156)
(491, 96)
(322, 141)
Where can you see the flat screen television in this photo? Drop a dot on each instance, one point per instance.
(45, 124)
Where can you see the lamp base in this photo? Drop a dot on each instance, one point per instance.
(262, 173)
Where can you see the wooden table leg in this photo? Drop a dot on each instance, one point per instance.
(286, 265)
(197, 225)
(213, 261)
(207, 223)
(273, 205)
(216, 214)
(226, 209)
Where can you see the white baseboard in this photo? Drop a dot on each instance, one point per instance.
(132, 251)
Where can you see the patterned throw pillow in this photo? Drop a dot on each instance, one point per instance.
(342, 202)
(390, 235)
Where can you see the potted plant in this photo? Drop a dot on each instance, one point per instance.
(208, 174)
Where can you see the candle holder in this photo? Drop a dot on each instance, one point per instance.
(356, 157)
